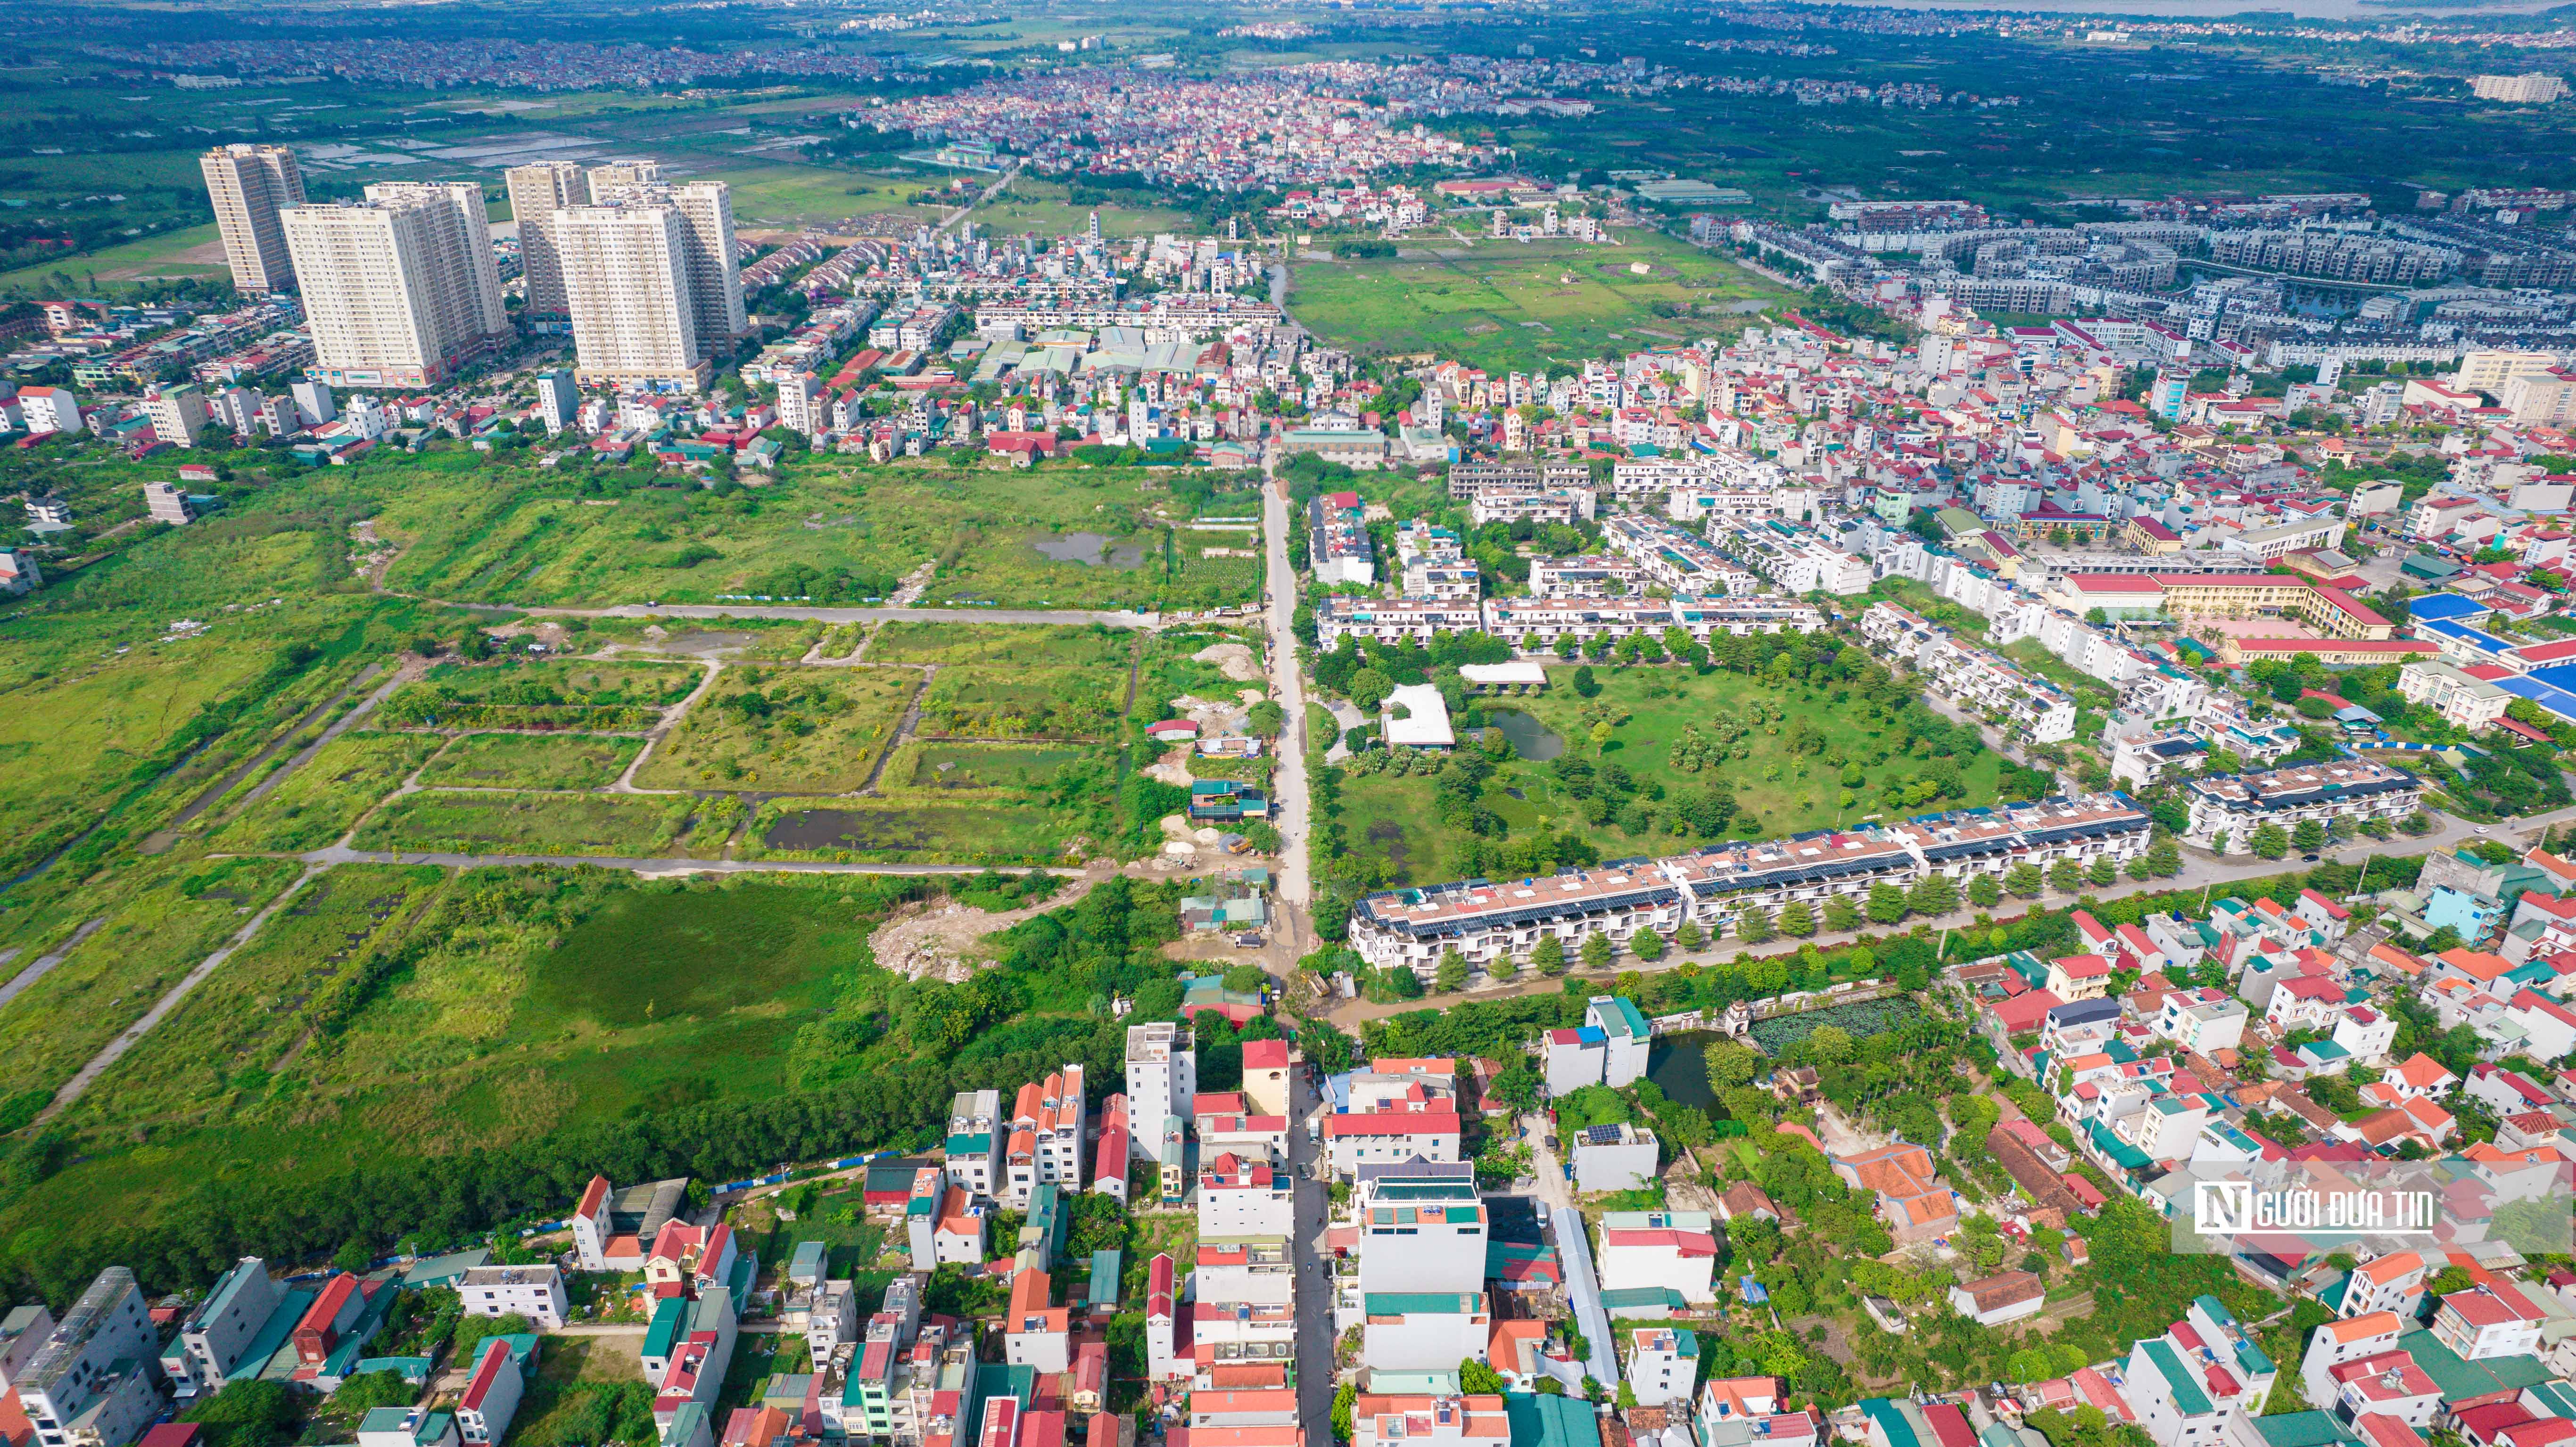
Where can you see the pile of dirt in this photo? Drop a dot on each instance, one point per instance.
(935, 937)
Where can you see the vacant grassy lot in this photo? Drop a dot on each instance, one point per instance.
(532, 761)
(816, 730)
(557, 693)
(975, 771)
(156, 919)
(1045, 207)
(1508, 306)
(907, 830)
(529, 1000)
(228, 1041)
(316, 804)
(608, 824)
(1000, 643)
(989, 702)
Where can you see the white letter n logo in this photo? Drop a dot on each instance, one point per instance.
(2222, 1207)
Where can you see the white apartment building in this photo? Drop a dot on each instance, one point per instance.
(537, 192)
(249, 186)
(92, 1380)
(1162, 1084)
(2337, 793)
(535, 1292)
(803, 405)
(1256, 1270)
(1971, 677)
(625, 272)
(2202, 1019)
(1384, 620)
(1712, 887)
(1795, 559)
(2465, 702)
(178, 414)
(399, 290)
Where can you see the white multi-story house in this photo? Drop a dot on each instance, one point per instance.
(2339, 793)
(535, 1292)
(2186, 1390)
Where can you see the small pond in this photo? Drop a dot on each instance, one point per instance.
(1092, 550)
(1529, 738)
(1678, 1065)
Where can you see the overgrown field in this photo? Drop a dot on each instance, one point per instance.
(532, 761)
(620, 825)
(818, 730)
(1513, 306)
(320, 801)
(561, 693)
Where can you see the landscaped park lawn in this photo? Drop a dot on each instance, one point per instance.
(1514, 306)
(532, 761)
(785, 729)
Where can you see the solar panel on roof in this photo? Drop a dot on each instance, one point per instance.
(1601, 1135)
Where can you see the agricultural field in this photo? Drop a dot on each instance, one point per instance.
(1513, 306)
(909, 830)
(619, 825)
(562, 693)
(532, 761)
(801, 730)
(314, 805)
(1046, 207)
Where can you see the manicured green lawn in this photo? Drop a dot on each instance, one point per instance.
(1516, 306)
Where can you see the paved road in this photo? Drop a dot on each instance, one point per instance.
(1314, 1268)
(1288, 685)
(649, 868)
(1114, 618)
(1574, 1253)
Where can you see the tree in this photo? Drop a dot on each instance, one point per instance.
(1596, 951)
(2066, 877)
(1266, 719)
(247, 1413)
(1936, 895)
(1369, 688)
(1475, 1376)
(1886, 903)
(2309, 837)
(354, 1257)
(1829, 1043)
(1648, 945)
(1451, 975)
(1732, 1065)
(2024, 880)
(1796, 920)
(2102, 872)
(1753, 926)
(1841, 915)
(1690, 936)
(1984, 893)
(1549, 956)
(1343, 1397)
(1246, 979)
(1585, 685)
(2271, 841)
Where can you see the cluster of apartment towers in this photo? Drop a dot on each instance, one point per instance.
(404, 287)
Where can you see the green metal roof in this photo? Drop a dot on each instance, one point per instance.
(2458, 1378)
(1435, 1303)
(1890, 1421)
(1538, 1421)
(2300, 1429)
(1621, 1016)
(1633, 1297)
(2189, 1399)
(670, 1318)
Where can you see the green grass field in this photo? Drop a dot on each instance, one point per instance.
(627, 825)
(804, 730)
(1507, 306)
(529, 1000)
(907, 830)
(978, 701)
(1392, 819)
(532, 761)
(1001, 643)
(974, 771)
(316, 804)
